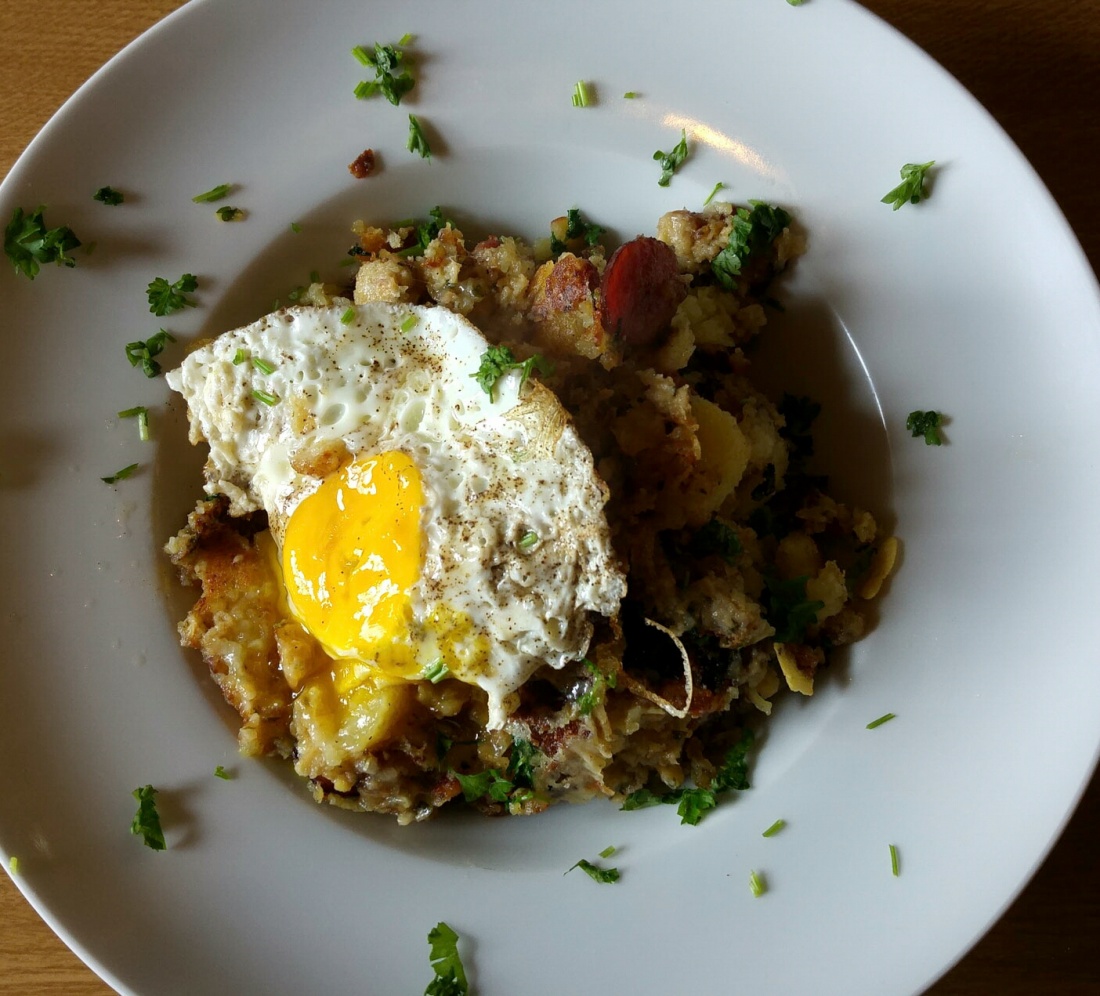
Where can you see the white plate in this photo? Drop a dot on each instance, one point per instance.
(985, 647)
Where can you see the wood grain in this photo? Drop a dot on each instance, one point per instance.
(1035, 67)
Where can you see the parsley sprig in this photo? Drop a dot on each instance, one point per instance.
(146, 823)
(496, 361)
(925, 424)
(426, 231)
(28, 243)
(142, 351)
(166, 298)
(754, 230)
(575, 228)
(108, 195)
(386, 61)
(450, 976)
(911, 190)
(596, 873)
(672, 160)
(417, 141)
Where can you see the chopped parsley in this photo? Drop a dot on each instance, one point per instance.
(213, 194)
(672, 160)
(108, 195)
(894, 861)
(911, 190)
(166, 298)
(28, 243)
(630, 95)
(756, 881)
(120, 475)
(575, 228)
(230, 213)
(774, 828)
(436, 671)
(521, 767)
(417, 140)
(265, 397)
(788, 609)
(718, 186)
(496, 361)
(220, 772)
(925, 424)
(489, 783)
(385, 60)
(580, 94)
(693, 803)
(142, 351)
(754, 230)
(882, 719)
(595, 872)
(597, 690)
(141, 413)
(450, 976)
(426, 231)
(146, 822)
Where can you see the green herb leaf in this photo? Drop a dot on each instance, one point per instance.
(788, 609)
(521, 767)
(166, 298)
(756, 881)
(485, 783)
(13, 865)
(576, 228)
(265, 397)
(717, 539)
(694, 802)
(672, 160)
(146, 823)
(630, 95)
(925, 424)
(28, 243)
(348, 316)
(230, 213)
(220, 772)
(774, 828)
(718, 186)
(643, 798)
(120, 475)
(911, 190)
(213, 194)
(436, 671)
(417, 140)
(734, 773)
(498, 360)
(384, 60)
(142, 351)
(580, 94)
(596, 873)
(882, 719)
(754, 230)
(450, 976)
(528, 540)
(295, 227)
(608, 851)
(409, 323)
(265, 367)
(895, 864)
(141, 413)
(108, 195)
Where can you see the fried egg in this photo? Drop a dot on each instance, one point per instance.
(422, 526)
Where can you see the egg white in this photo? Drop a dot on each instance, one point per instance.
(493, 471)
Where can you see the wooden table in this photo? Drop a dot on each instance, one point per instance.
(1035, 65)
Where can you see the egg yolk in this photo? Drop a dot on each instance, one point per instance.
(351, 555)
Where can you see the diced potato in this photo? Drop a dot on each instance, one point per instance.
(724, 454)
(799, 663)
(797, 556)
(885, 557)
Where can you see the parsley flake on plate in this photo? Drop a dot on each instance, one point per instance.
(417, 140)
(220, 772)
(596, 873)
(385, 60)
(230, 213)
(142, 351)
(450, 976)
(146, 822)
(925, 424)
(28, 243)
(774, 828)
(120, 475)
(108, 195)
(672, 160)
(213, 194)
(911, 190)
(757, 884)
(166, 298)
